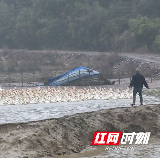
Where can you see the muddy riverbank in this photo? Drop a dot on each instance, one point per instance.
(69, 135)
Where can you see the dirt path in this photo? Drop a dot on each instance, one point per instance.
(153, 58)
(150, 57)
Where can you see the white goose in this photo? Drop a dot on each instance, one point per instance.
(52, 95)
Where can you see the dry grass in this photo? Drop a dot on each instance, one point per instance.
(48, 62)
(53, 63)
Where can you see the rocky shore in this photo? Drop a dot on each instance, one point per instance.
(69, 135)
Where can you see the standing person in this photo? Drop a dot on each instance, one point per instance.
(137, 82)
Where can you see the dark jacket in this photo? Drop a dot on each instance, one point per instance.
(138, 81)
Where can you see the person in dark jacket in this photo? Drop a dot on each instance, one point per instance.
(137, 82)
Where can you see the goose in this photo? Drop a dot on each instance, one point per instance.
(52, 95)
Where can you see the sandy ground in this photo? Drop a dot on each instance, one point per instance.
(68, 135)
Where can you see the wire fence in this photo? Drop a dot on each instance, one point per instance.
(31, 79)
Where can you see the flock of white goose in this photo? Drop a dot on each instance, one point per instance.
(66, 94)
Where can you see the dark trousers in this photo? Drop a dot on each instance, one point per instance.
(135, 91)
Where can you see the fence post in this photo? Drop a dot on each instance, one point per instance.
(80, 76)
(109, 74)
(119, 76)
(55, 73)
(22, 78)
(151, 75)
(44, 75)
(68, 78)
(33, 78)
(89, 78)
(9, 78)
(98, 78)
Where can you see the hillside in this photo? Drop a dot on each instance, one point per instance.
(97, 25)
(38, 66)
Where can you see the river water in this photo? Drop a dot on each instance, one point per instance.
(150, 150)
(41, 111)
(35, 112)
